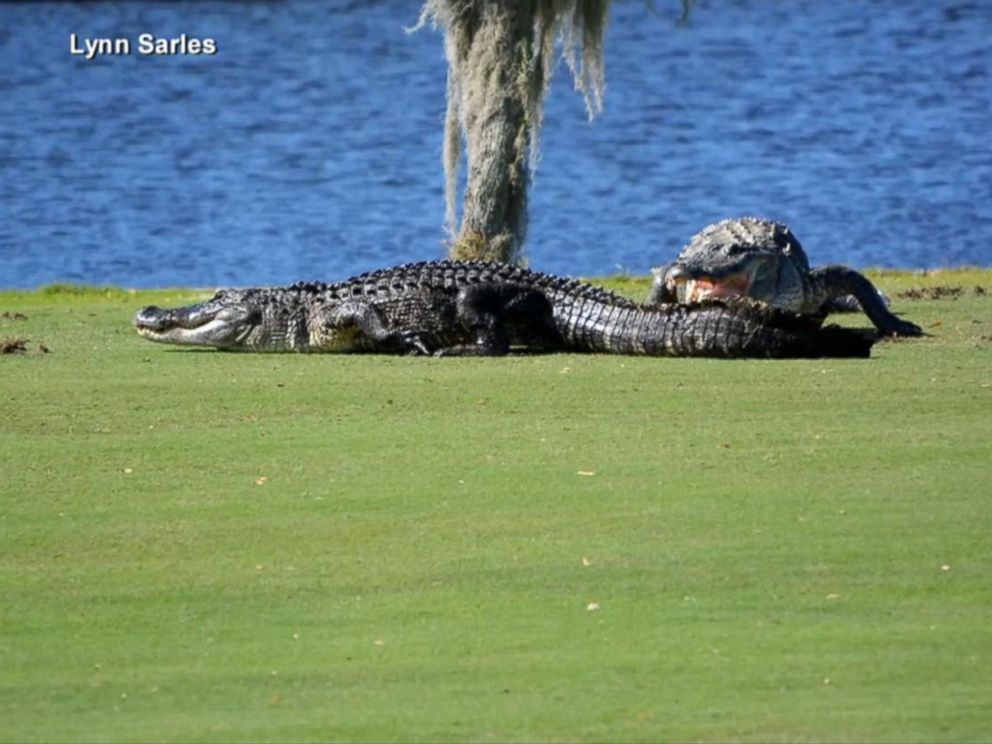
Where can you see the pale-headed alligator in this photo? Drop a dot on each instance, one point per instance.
(481, 308)
(763, 260)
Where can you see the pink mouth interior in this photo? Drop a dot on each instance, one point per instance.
(737, 285)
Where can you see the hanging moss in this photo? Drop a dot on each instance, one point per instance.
(501, 56)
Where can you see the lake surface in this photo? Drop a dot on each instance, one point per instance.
(309, 146)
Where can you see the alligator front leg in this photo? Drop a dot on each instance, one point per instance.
(838, 281)
(497, 313)
(359, 326)
(481, 309)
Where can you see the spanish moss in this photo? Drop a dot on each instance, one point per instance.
(501, 56)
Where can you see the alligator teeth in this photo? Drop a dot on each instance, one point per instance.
(697, 290)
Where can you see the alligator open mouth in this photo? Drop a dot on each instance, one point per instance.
(692, 286)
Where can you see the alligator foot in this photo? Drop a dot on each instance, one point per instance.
(840, 281)
(409, 342)
(894, 326)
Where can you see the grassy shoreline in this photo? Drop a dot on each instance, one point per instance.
(897, 278)
(198, 546)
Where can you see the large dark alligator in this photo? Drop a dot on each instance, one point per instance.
(763, 260)
(481, 308)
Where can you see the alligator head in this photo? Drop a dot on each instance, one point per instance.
(228, 320)
(746, 257)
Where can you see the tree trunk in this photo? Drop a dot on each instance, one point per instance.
(500, 56)
(497, 133)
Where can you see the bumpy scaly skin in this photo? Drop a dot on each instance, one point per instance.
(482, 308)
(763, 260)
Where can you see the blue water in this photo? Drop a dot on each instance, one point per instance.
(309, 146)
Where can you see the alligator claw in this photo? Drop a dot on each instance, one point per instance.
(899, 327)
(413, 342)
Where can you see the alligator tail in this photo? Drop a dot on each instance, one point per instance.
(727, 328)
(740, 327)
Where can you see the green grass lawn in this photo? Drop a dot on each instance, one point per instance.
(199, 546)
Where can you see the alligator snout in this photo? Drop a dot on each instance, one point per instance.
(153, 318)
(675, 273)
(220, 323)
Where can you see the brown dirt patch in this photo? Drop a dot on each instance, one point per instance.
(13, 346)
(939, 292)
(20, 346)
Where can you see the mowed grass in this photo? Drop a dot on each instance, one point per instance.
(199, 546)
